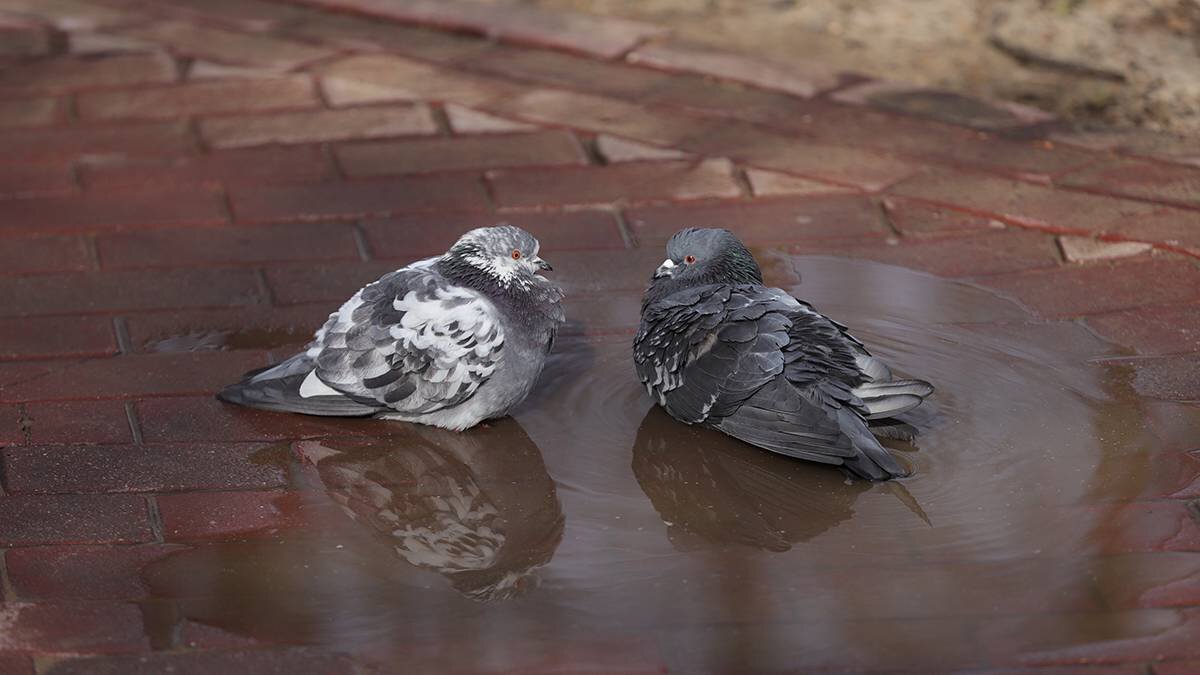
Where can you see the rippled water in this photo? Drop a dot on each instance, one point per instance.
(594, 531)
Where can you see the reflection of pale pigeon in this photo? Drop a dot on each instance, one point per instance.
(449, 341)
(452, 503)
(719, 349)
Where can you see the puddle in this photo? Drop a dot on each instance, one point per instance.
(592, 530)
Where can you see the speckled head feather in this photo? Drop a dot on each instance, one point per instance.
(502, 263)
(697, 257)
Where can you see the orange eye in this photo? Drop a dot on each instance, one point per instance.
(689, 259)
(516, 254)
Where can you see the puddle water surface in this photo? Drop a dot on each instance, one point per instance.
(592, 530)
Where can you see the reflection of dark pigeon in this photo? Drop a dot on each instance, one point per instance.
(713, 487)
(719, 349)
(449, 341)
(478, 508)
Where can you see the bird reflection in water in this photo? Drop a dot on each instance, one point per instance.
(711, 489)
(477, 507)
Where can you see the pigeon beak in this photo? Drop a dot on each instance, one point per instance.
(543, 265)
(666, 269)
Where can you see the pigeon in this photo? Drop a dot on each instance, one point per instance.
(449, 341)
(719, 349)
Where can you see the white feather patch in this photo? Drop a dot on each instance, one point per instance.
(313, 386)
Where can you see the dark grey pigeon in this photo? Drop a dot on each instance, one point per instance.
(719, 349)
(449, 341)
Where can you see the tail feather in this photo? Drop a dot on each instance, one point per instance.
(892, 397)
(278, 389)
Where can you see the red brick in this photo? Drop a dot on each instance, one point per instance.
(378, 78)
(1175, 378)
(273, 661)
(26, 37)
(1073, 291)
(1145, 526)
(30, 112)
(323, 283)
(35, 181)
(44, 254)
(775, 184)
(203, 419)
(547, 148)
(199, 41)
(614, 149)
(1142, 180)
(1022, 203)
(841, 165)
(978, 256)
(601, 272)
(1152, 330)
(564, 70)
(625, 182)
(411, 194)
(222, 329)
(1142, 580)
(137, 375)
(469, 121)
(412, 237)
(606, 37)
(604, 115)
(124, 290)
(71, 14)
(941, 105)
(56, 337)
(16, 664)
(198, 98)
(764, 222)
(78, 422)
(11, 425)
(914, 219)
(71, 73)
(62, 144)
(79, 627)
(81, 469)
(113, 210)
(205, 515)
(259, 165)
(32, 520)
(1177, 667)
(799, 78)
(257, 16)
(176, 247)
(362, 33)
(725, 99)
(318, 125)
(1170, 228)
(1132, 141)
(83, 572)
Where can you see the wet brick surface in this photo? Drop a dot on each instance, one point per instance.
(187, 188)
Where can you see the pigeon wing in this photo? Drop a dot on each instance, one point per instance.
(411, 341)
(760, 366)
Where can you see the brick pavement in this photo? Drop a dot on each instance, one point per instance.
(179, 175)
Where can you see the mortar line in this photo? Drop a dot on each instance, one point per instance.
(155, 517)
(624, 229)
(360, 242)
(441, 120)
(135, 423)
(6, 587)
(121, 330)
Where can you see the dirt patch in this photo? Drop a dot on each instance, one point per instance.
(1117, 62)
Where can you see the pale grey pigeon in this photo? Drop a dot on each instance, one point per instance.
(449, 341)
(719, 349)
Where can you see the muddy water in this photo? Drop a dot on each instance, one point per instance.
(591, 530)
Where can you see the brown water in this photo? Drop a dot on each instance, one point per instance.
(591, 533)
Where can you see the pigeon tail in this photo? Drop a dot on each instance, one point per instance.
(892, 397)
(279, 388)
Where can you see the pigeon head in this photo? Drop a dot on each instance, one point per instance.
(503, 256)
(696, 257)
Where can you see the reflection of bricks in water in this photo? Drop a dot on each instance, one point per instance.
(187, 188)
